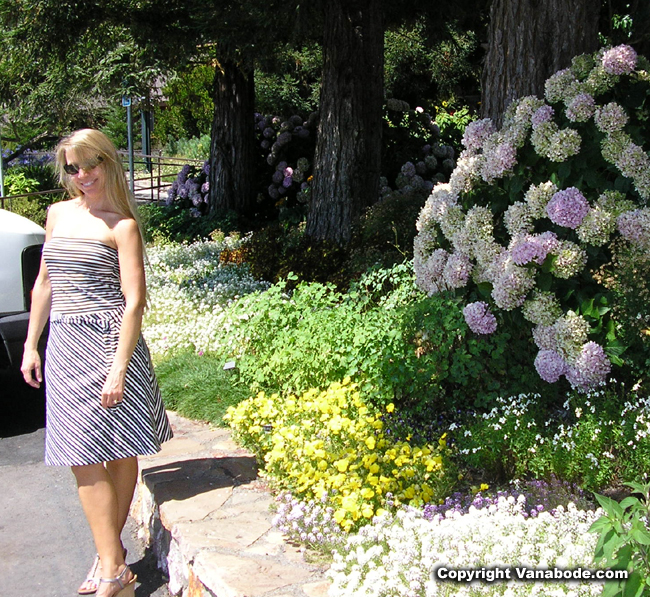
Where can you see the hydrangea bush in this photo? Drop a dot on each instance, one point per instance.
(531, 210)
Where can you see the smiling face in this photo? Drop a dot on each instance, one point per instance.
(90, 175)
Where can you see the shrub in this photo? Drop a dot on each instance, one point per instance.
(332, 443)
(34, 175)
(531, 210)
(175, 223)
(624, 540)
(596, 439)
(402, 347)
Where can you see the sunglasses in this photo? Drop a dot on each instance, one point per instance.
(73, 169)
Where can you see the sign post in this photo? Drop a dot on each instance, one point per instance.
(126, 102)
(2, 174)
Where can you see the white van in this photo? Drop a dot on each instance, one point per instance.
(21, 243)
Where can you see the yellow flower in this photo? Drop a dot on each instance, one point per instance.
(390, 408)
(367, 493)
(370, 442)
(367, 511)
(342, 465)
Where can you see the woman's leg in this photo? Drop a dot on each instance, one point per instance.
(124, 473)
(99, 499)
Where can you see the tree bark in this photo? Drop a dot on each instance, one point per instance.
(528, 41)
(347, 163)
(232, 147)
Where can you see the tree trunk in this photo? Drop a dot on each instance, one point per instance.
(347, 163)
(528, 41)
(232, 147)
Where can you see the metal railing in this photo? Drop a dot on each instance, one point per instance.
(158, 180)
(149, 181)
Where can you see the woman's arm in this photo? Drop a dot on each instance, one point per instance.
(130, 254)
(40, 311)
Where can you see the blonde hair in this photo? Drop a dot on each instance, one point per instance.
(88, 145)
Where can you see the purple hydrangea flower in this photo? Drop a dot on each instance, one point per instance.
(620, 60)
(286, 183)
(205, 187)
(408, 169)
(581, 108)
(268, 133)
(476, 133)
(479, 318)
(568, 208)
(550, 365)
(457, 270)
(542, 115)
(590, 369)
(635, 226)
(278, 177)
(525, 248)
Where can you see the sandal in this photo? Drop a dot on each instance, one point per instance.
(89, 586)
(123, 588)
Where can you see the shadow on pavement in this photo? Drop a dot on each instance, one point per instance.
(184, 479)
(151, 580)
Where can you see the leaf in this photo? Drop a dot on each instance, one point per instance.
(564, 170)
(622, 184)
(611, 507)
(612, 588)
(600, 525)
(633, 586)
(640, 536)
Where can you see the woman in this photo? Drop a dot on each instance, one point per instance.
(103, 402)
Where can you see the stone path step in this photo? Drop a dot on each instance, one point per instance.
(206, 514)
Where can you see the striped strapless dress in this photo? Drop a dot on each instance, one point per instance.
(85, 319)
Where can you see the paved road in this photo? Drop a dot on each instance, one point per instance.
(45, 545)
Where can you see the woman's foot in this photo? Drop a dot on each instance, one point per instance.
(123, 585)
(89, 586)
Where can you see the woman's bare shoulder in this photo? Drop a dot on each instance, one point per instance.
(125, 230)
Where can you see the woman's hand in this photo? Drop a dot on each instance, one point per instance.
(31, 368)
(113, 390)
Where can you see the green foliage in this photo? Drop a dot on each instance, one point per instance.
(624, 542)
(400, 347)
(405, 133)
(196, 148)
(452, 123)
(196, 386)
(17, 183)
(30, 179)
(189, 108)
(115, 124)
(595, 440)
(289, 82)
(385, 232)
(276, 251)
(422, 69)
(173, 223)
